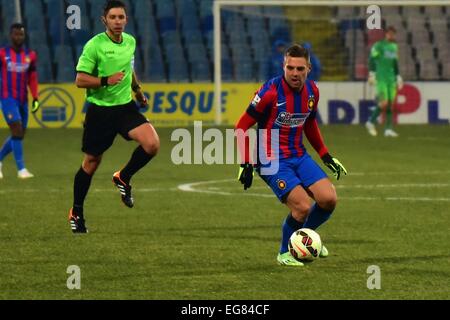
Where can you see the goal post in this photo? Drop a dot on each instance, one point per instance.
(220, 5)
(18, 15)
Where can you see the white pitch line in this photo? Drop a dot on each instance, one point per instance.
(92, 190)
(416, 199)
(422, 138)
(409, 199)
(397, 185)
(190, 187)
(374, 186)
(432, 172)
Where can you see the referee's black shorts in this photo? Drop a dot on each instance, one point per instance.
(102, 124)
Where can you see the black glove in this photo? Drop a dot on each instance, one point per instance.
(246, 175)
(335, 166)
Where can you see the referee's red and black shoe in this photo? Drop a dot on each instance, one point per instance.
(124, 188)
(77, 222)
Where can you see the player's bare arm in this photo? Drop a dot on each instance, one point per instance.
(135, 86)
(87, 81)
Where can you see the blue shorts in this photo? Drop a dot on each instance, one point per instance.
(13, 111)
(292, 172)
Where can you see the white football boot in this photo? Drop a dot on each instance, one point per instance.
(371, 129)
(390, 133)
(24, 174)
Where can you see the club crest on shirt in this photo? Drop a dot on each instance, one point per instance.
(311, 102)
(281, 184)
(292, 120)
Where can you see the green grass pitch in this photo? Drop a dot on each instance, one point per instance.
(221, 243)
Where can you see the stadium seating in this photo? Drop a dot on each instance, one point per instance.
(175, 38)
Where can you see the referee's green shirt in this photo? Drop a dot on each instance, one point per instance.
(102, 57)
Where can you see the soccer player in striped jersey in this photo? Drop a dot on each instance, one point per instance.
(17, 71)
(288, 104)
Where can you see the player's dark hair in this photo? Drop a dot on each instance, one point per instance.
(391, 28)
(297, 51)
(113, 4)
(16, 25)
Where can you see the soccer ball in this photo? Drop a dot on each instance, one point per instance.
(305, 244)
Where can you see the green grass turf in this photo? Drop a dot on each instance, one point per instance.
(223, 244)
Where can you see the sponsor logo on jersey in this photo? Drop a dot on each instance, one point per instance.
(17, 66)
(291, 120)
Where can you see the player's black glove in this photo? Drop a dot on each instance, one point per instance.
(246, 175)
(35, 105)
(335, 166)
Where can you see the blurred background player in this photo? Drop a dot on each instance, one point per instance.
(316, 67)
(274, 64)
(106, 70)
(383, 71)
(288, 103)
(17, 71)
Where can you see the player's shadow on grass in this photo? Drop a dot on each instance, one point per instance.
(356, 242)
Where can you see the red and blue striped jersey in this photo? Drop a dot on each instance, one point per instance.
(277, 106)
(17, 70)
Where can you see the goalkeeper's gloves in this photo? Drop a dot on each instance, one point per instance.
(246, 175)
(35, 105)
(399, 82)
(335, 166)
(372, 80)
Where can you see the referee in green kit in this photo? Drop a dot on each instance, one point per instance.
(105, 69)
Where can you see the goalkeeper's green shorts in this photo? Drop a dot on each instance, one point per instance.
(386, 91)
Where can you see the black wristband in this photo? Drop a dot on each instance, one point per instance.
(104, 81)
(327, 158)
(135, 87)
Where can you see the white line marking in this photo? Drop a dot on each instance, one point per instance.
(398, 185)
(416, 199)
(398, 173)
(374, 186)
(409, 199)
(92, 190)
(190, 187)
(194, 187)
(422, 138)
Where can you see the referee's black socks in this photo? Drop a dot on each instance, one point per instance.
(139, 159)
(81, 186)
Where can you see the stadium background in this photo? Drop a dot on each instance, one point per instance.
(174, 56)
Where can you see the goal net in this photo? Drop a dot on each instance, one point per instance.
(340, 34)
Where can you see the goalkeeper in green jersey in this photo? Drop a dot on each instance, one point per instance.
(383, 72)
